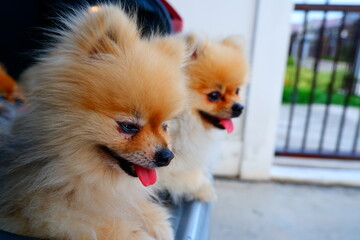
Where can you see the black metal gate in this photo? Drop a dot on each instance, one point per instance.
(332, 43)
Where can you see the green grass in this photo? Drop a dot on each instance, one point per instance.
(320, 94)
(320, 97)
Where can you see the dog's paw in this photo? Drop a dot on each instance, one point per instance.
(206, 193)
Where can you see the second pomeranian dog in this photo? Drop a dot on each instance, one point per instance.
(216, 72)
(95, 125)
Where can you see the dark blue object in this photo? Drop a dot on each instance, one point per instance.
(22, 23)
(10, 236)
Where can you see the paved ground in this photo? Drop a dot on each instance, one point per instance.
(316, 123)
(279, 211)
(324, 65)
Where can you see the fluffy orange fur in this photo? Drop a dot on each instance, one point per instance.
(55, 181)
(9, 87)
(213, 67)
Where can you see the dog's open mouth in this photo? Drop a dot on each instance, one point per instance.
(221, 123)
(147, 176)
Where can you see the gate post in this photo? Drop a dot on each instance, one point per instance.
(271, 39)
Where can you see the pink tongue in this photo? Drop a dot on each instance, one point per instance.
(147, 176)
(227, 124)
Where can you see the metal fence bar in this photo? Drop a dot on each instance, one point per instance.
(332, 81)
(356, 137)
(322, 7)
(357, 61)
(350, 78)
(330, 40)
(315, 154)
(342, 120)
(314, 80)
(296, 82)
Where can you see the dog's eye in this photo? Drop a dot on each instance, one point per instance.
(237, 91)
(128, 127)
(165, 127)
(214, 96)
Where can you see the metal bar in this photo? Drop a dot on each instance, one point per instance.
(356, 137)
(332, 81)
(357, 63)
(194, 220)
(350, 77)
(315, 154)
(343, 115)
(296, 82)
(314, 80)
(321, 7)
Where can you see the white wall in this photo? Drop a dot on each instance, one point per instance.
(218, 19)
(265, 27)
(272, 32)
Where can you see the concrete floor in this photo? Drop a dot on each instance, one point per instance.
(277, 211)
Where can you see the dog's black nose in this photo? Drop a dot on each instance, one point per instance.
(163, 157)
(237, 109)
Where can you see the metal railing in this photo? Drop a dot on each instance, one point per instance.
(350, 81)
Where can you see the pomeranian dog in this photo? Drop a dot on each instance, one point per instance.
(75, 164)
(216, 72)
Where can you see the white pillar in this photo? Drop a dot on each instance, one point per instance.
(271, 39)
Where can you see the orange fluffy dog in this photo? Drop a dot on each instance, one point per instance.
(96, 124)
(216, 73)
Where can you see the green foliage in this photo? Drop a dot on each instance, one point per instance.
(320, 96)
(322, 86)
(290, 61)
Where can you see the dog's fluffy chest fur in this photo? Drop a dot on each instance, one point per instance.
(194, 152)
(192, 142)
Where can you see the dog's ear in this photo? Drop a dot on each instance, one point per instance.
(102, 30)
(235, 41)
(196, 45)
(172, 46)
